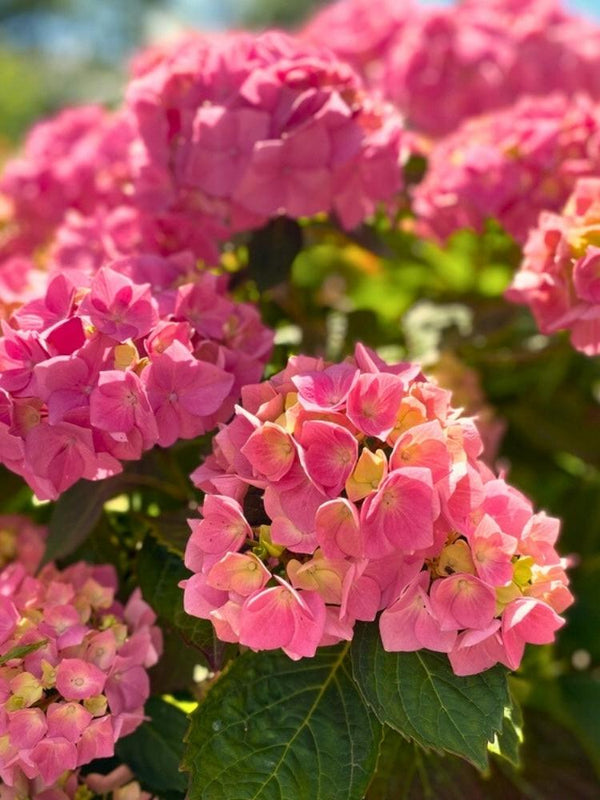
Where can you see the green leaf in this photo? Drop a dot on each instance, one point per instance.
(554, 767)
(508, 741)
(76, 513)
(272, 728)
(20, 651)
(418, 695)
(159, 572)
(272, 250)
(154, 751)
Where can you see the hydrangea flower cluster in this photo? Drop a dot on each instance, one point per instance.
(509, 165)
(21, 540)
(559, 278)
(244, 128)
(74, 163)
(119, 784)
(73, 677)
(98, 370)
(441, 65)
(342, 490)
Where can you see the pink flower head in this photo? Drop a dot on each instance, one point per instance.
(59, 707)
(559, 276)
(509, 166)
(280, 127)
(328, 501)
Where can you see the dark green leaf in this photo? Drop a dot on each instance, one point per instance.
(272, 728)
(154, 751)
(554, 767)
(272, 250)
(159, 572)
(75, 515)
(418, 695)
(22, 650)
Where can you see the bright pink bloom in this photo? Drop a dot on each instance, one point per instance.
(409, 624)
(400, 514)
(416, 526)
(463, 601)
(527, 620)
(283, 617)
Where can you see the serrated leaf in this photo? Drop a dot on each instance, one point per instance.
(554, 767)
(20, 651)
(507, 743)
(159, 572)
(76, 513)
(418, 695)
(154, 751)
(272, 728)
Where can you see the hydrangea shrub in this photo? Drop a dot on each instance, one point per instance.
(263, 533)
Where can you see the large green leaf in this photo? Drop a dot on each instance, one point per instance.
(554, 767)
(418, 695)
(154, 751)
(272, 728)
(159, 572)
(76, 513)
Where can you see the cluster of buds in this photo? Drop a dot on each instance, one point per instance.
(73, 669)
(339, 491)
(98, 370)
(509, 165)
(559, 278)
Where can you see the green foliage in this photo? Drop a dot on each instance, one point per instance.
(159, 572)
(418, 695)
(154, 751)
(554, 767)
(273, 728)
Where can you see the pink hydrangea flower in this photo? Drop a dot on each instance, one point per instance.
(95, 374)
(341, 491)
(245, 128)
(559, 278)
(84, 685)
(21, 540)
(441, 65)
(509, 166)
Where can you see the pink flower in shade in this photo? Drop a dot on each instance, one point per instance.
(70, 700)
(78, 680)
(339, 491)
(119, 307)
(282, 617)
(183, 393)
(409, 624)
(119, 403)
(22, 541)
(64, 453)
